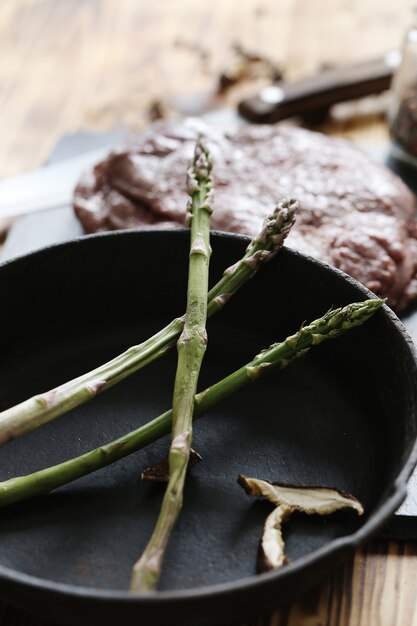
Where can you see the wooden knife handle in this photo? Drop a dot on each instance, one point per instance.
(318, 93)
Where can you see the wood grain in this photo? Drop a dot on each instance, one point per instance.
(97, 64)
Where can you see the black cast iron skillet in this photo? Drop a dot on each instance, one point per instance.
(343, 416)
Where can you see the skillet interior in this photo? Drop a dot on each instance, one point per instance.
(343, 416)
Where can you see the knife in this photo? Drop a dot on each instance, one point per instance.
(49, 187)
(313, 96)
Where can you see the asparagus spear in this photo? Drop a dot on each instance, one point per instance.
(47, 406)
(331, 325)
(191, 348)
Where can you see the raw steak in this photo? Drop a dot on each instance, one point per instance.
(354, 214)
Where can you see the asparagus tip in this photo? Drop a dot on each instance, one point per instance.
(354, 314)
(276, 228)
(200, 169)
(199, 178)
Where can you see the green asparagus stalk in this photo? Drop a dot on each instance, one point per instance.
(191, 348)
(45, 407)
(331, 325)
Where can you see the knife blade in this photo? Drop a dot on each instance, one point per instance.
(46, 188)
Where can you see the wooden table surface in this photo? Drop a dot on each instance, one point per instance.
(97, 64)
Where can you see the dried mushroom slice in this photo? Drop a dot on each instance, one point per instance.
(159, 472)
(287, 499)
(272, 546)
(310, 500)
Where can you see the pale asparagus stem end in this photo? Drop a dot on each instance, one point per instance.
(35, 411)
